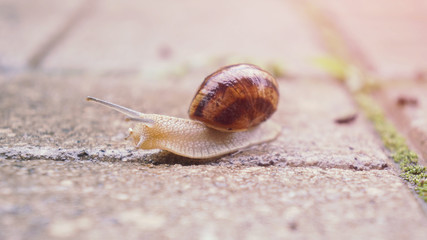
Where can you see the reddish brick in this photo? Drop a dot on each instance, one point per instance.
(406, 104)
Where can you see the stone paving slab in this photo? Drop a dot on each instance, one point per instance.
(406, 104)
(40, 124)
(390, 35)
(326, 177)
(153, 35)
(26, 26)
(45, 199)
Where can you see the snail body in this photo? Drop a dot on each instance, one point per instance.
(201, 138)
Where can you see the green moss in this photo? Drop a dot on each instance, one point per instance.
(338, 67)
(334, 66)
(400, 152)
(277, 69)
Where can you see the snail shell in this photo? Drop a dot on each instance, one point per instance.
(235, 98)
(245, 96)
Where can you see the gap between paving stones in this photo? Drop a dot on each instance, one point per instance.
(405, 102)
(30, 29)
(355, 72)
(162, 157)
(60, 34)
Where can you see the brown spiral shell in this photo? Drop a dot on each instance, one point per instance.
(235, 98)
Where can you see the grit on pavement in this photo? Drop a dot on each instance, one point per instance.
(66, 171)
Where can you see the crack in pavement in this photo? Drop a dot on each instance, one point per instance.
(239, 158)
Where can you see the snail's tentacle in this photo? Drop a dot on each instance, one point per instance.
(127, 111)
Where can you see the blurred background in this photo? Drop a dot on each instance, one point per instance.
(152, 37)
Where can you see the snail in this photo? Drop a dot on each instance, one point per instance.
(229, 112)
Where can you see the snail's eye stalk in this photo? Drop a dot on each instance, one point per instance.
(127, 111)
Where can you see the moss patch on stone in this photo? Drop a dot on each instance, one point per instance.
(400, 152)
(332, 65)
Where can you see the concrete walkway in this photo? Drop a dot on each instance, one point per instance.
(66, 172)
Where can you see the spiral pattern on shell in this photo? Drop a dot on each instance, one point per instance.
(235, 98)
